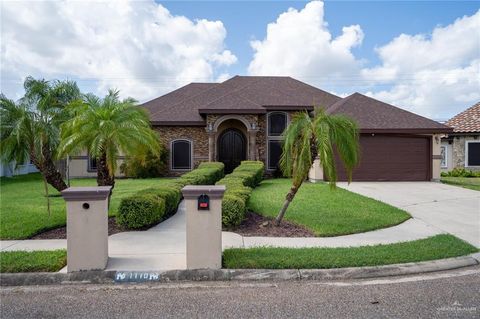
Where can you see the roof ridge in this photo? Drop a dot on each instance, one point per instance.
(465, 111)
(339, 103)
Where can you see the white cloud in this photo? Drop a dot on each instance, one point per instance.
(138, 47)
(299, 44)
(436, 75)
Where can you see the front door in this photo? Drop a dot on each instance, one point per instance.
(232, 149)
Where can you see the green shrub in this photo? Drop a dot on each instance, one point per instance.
(170, 194)
(151, 205)
(460, 172)
(239, 185)
(152, 165)
(233, 210)
(140, 211)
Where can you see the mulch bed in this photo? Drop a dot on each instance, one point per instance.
(258, 225)
(61, 232)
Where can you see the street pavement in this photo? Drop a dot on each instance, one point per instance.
(452, 294)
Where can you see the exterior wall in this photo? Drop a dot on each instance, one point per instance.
(9, 169)
(436, 157)
(458, 150)
(196, 134)
(78, 166)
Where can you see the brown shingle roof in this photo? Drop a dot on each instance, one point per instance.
(376, 116)
(466, 122)
(240, 94)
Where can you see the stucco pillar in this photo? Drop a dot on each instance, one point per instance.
(436, 157)
(316, 172)
(87, 227)
(252, 140)
(204, 226)
(211, 146)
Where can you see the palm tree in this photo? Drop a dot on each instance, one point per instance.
(29, 129)
(306, 139)
(106, 128)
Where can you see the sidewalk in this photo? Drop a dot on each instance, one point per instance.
(163, 247)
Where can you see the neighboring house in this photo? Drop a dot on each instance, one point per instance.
(461, 148)
(243, 118)
(9, 169)
(83, 165)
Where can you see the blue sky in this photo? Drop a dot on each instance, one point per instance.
(423, 56)
(380, 20)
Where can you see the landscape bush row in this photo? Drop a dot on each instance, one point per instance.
(460, 172)
(239, 185)
(152, 205)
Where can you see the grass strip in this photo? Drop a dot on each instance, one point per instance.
(33, 261)
(436, 247)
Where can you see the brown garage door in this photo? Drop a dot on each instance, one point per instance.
(391, 158)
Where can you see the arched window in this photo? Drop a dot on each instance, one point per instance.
(276, 124)
(181, 155)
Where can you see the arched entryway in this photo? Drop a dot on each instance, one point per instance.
(232, 148)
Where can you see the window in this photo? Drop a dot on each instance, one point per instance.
(181, 155)
(92, 163)
(276, 124)
(274, 153)
(443, 154)
(472, 153)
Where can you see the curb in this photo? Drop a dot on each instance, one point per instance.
(111, 277)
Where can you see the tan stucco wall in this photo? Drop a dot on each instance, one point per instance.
(78, 166)
(436, 162)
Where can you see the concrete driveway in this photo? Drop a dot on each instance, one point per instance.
(449, 208)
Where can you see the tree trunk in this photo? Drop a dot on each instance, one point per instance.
(48, 169)
(104, 178)
(45, 184)
(288, 200)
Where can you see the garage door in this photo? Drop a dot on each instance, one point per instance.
(391, 158)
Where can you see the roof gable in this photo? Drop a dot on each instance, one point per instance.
(467, 121)
(372, 115)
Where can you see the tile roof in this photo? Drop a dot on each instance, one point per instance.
(240, 94)
(467, 121)
(376, 116)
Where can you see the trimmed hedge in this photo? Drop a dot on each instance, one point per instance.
(151, 205)
(239, 186)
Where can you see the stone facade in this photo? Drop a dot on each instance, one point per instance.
(205, 138)
(196, 134)
(458, 150)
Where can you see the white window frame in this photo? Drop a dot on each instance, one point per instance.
(171, 155)
(445, 165)
(273, 137)
(466, 153)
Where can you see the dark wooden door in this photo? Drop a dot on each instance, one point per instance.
(232, 149)
(391, 158)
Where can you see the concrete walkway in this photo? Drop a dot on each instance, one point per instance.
(451, 209)
(163, 247)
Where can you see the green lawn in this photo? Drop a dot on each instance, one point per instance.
(23, 206)
(324, 211)
(437, 247)
(35, 261)
(466, 182)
